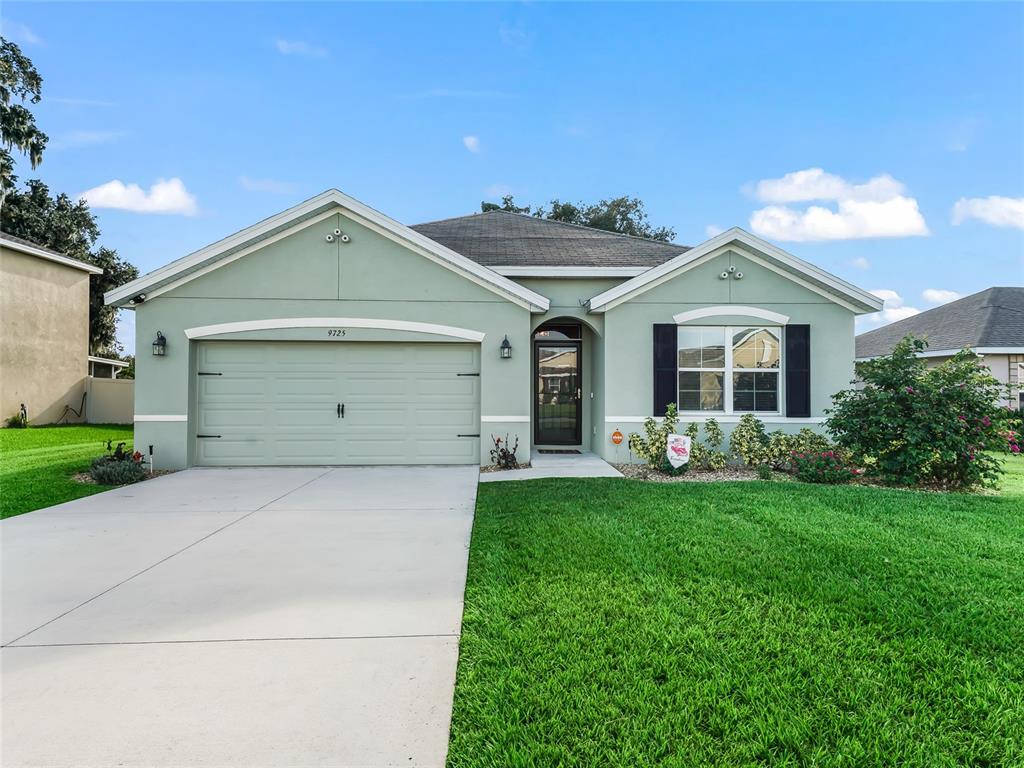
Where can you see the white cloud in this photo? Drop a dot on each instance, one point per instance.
(876, 208)
(126, 330)
(301, 48)
(515, 36)
(816, 184)
(893, 309)
(939, 295)
(861, 263)
(20, 33)
(267, 185)
(711, 230)
(995, 210)
(165, 196)
(498, 190)
(85, 139)
(472, 143)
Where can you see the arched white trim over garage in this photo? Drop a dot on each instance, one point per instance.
(279, 323)
(731, 310)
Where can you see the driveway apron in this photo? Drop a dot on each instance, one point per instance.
(252, 617)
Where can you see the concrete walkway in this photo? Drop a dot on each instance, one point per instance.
(238, 617)
(584, 464)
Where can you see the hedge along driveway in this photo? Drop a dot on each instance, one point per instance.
(614, 622)
(37, 464)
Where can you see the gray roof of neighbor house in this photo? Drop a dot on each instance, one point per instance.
(988, 319)
(22, 245)
(504, 239)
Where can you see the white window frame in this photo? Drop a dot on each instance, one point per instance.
(728, 371)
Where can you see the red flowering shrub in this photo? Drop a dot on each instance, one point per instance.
(910, 424)
(822, 467)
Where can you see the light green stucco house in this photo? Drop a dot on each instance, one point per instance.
(332, 334)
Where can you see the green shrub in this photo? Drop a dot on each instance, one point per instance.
(822, 467)
(781, 447)
(109, 471)
(914, 425)
(706, 455)
(651, 447)
(749, 442)
(17, 421)
(764, 472)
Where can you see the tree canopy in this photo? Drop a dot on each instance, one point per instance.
(19, 81)
(70, 228)
(625, 215)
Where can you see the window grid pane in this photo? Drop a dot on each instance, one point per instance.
(750, 365)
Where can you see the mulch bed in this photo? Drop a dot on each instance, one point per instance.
(643, 472)
(86, 479)
(496, 468)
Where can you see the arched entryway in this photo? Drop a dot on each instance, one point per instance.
(558, 383)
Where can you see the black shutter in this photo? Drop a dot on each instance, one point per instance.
(798, 370)
(666, 376)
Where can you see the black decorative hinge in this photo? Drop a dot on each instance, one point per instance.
(207, 373)
(207, 435)
(476, 435)
(467, 374)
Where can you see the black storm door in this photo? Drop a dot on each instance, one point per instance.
(558, 393)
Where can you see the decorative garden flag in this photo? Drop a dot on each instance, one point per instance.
(677, 450)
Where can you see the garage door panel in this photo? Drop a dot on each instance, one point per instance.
(276, 403)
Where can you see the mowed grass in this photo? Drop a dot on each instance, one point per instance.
(36, 464)
(612, 622)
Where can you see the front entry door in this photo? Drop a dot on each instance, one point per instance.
(557, 407)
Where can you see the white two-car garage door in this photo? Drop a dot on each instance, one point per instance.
(265, 403)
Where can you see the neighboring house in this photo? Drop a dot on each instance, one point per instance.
(102, 368)
(990, 322)
(44, 330)
(332, 334)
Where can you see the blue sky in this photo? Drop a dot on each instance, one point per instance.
(884, 143)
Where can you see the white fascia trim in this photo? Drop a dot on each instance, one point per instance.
(734, 418)
(381, 223)
(105, 361)
(502, 419)
(731, 309)
(54, 257)
(280, 323)
(163, 417)
(570, 271)
(866, 302)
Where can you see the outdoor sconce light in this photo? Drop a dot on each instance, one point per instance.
(506, 349)
(160, 345)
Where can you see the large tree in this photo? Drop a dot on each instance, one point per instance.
(19, 81)
(625, 215)
(70, 228)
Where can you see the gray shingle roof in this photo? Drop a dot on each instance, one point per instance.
(990, 318)
(501, 238)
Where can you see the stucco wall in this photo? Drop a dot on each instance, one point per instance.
(109, 401)
(628, 341)
(44, 336)
(303, 276)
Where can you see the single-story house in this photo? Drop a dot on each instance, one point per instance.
(105, 368)
(333, 334)
(990, 322)
(44, 330)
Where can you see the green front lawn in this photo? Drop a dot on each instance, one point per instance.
(612, 622)
(36, 464)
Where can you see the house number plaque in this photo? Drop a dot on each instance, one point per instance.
(339, 332)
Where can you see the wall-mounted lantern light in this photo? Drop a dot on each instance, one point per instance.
(160, 345)
(506, 349)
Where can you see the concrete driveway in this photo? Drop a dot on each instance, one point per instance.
(251, 617)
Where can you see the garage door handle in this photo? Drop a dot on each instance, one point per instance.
(341, 410)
